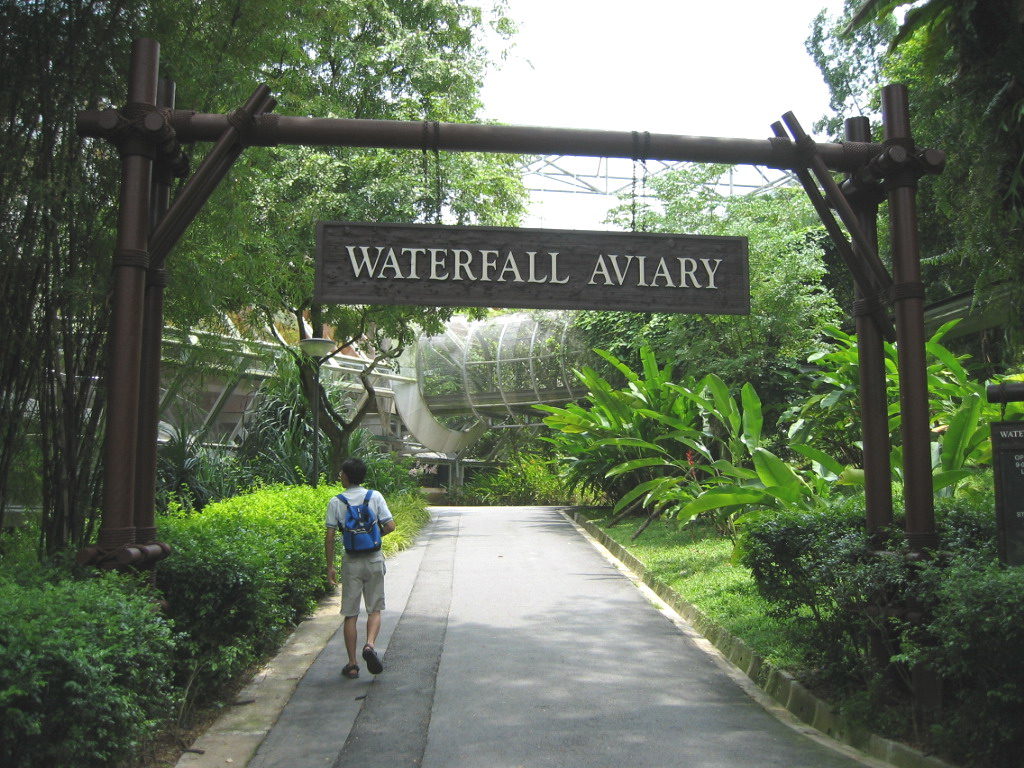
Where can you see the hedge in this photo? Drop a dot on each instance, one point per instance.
(89, 665)
(84, 671)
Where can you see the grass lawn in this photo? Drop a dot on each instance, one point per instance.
(696, 562)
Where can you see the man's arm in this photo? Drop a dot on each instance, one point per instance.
(387, 527)
(329, 550)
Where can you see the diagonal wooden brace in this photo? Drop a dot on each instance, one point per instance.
(208, 175)
(865, 278)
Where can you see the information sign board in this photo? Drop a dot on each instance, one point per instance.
(1008, 464)
(530, 268)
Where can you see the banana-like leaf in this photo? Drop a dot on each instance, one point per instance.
(725, 410)
(650, 365)
(962, 428)
(753, 419)
(689, 442)
(629, 466)
(785, 493)
(670, 421)
(643, 488)
(630, 442)
(948, 359)
(721, 497)
(851, 476)
(731, 470)
(773, 471)
(946, 477)
(819, 457)
(624, 369)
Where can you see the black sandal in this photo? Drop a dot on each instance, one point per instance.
(373, 662)
(351, 671)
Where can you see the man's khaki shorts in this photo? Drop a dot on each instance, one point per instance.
(362, 578)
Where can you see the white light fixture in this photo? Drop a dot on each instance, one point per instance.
(317, 347)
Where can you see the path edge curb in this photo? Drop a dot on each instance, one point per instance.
(236, 735)
(782, 687)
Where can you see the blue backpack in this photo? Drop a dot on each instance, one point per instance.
(360, 532)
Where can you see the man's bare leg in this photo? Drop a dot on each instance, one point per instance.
(370, 655)
(350, 630)
(372, 628)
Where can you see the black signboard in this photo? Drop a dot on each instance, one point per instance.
(530, 268)
(1008, 464)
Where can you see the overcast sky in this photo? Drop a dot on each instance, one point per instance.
(728, 68)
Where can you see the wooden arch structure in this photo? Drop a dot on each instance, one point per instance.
(148, 132)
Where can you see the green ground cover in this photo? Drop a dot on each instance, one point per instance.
(697, 562)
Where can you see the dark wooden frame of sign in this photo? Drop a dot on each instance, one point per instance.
(148, 132)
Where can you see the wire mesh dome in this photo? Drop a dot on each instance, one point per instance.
(501, 366)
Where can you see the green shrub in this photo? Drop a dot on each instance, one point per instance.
(384, 468)
(820, 569)
(83, 671)
(525, 480)
(974, 638)
(245, 569)
(242, 572)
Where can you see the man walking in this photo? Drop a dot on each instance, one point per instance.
(362, 567)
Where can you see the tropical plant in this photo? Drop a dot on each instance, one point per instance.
(629, 440)
(526, 479)
(683, 450)
(792, 293)
(741, 474)
(829, 418)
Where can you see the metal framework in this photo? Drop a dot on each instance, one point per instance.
(613, 177)
(505, 365)
(148, 132)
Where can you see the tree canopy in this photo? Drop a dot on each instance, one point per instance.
(390, 59)
(964, 68)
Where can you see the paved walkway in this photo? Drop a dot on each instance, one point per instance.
(511, 642)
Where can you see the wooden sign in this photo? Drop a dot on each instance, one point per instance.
(1008, 468)
(530, 268)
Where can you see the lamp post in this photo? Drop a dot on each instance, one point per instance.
(318, 349)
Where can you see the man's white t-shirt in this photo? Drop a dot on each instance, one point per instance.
(355, 495)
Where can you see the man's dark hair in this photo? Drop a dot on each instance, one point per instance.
(354, 469)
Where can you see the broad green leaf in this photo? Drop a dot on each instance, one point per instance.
(624, 369)
(650, 365)
(686, 440)
(851, 476)
(947, 477)
(670, 421)
(730, 469)
(752, 417)
(725, 408)
(630, 442)
(962, 428)
(819, 457)
(642, 489)
(948, 359)
(629, 466)
(943, 329)
(723, 496)
(773, 471)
